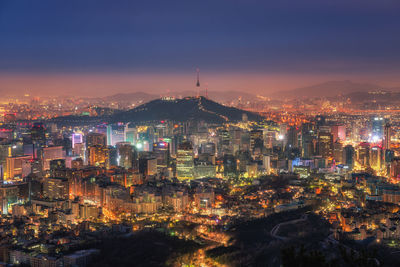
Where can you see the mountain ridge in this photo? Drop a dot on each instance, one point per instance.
(331, 89)
(184, 109)
(223, 96)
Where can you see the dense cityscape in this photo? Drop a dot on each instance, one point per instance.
(212, 187)
(211, 133)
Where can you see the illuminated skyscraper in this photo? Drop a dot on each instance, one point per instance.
(94, 139)
(224, 141)
(388, 135)
(50, 153)
(363, 155)
(38, 134)
(124, 154)
(320, 120)
(338, 132)
(269, 138)
(292, 139)
(79, 150)
(14, 167)
(376, 158)
(115, 134)
(184, 161)
(208, 148)
(307, 140)
(338, 152)
(348, 156)
(99, 156)
(56, 188)
(266, 163)
(161, 152)
(395, 168)
(325, 144)
(256, 140)
(76, 138)
(5, 152)
(230, 165)
(377, 129)
(148, 166)
(131, 135)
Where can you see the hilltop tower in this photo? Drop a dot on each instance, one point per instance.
(198, 82)
(198, 78)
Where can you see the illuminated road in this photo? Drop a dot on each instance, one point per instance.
(275, 230)
(201, 107)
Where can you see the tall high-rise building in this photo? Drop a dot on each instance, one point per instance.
(38, 134)
(56, 188)
(5, 152)
(338, 152)
(224, 141)
(94, 139)
(389, 156)
(31, 166)
(267, 163)
(363, 155)
(269, 138)
(115, 134)
(99, 156)
(80, 151)
(320, 120)
(161, 152)
(292, 138)
(131, 135)
(324, 144)
(376, 158)
(50, 153)
(338, 132)
(147, 166)
(377, 129)
(208, 148)
(230, 165)
(348, 156)
(395, 168)
(14, 167)
(387, 136)
(184, 161)
(256, 140)
(307, 140)
(124, 154)
(76, 138)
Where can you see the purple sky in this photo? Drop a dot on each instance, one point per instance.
(260, 46)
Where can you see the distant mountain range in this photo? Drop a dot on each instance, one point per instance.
(326, 89)
(141, 97)
(131, 97)
(376, 97)
(185, 109)
(330, 89)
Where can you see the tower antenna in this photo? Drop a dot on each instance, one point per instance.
(198, 77)
(198, 82)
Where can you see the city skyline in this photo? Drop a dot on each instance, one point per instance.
(213, 133)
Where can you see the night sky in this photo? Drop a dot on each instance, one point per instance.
(96, 46)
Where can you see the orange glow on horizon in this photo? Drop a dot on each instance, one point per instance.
(103, 84)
